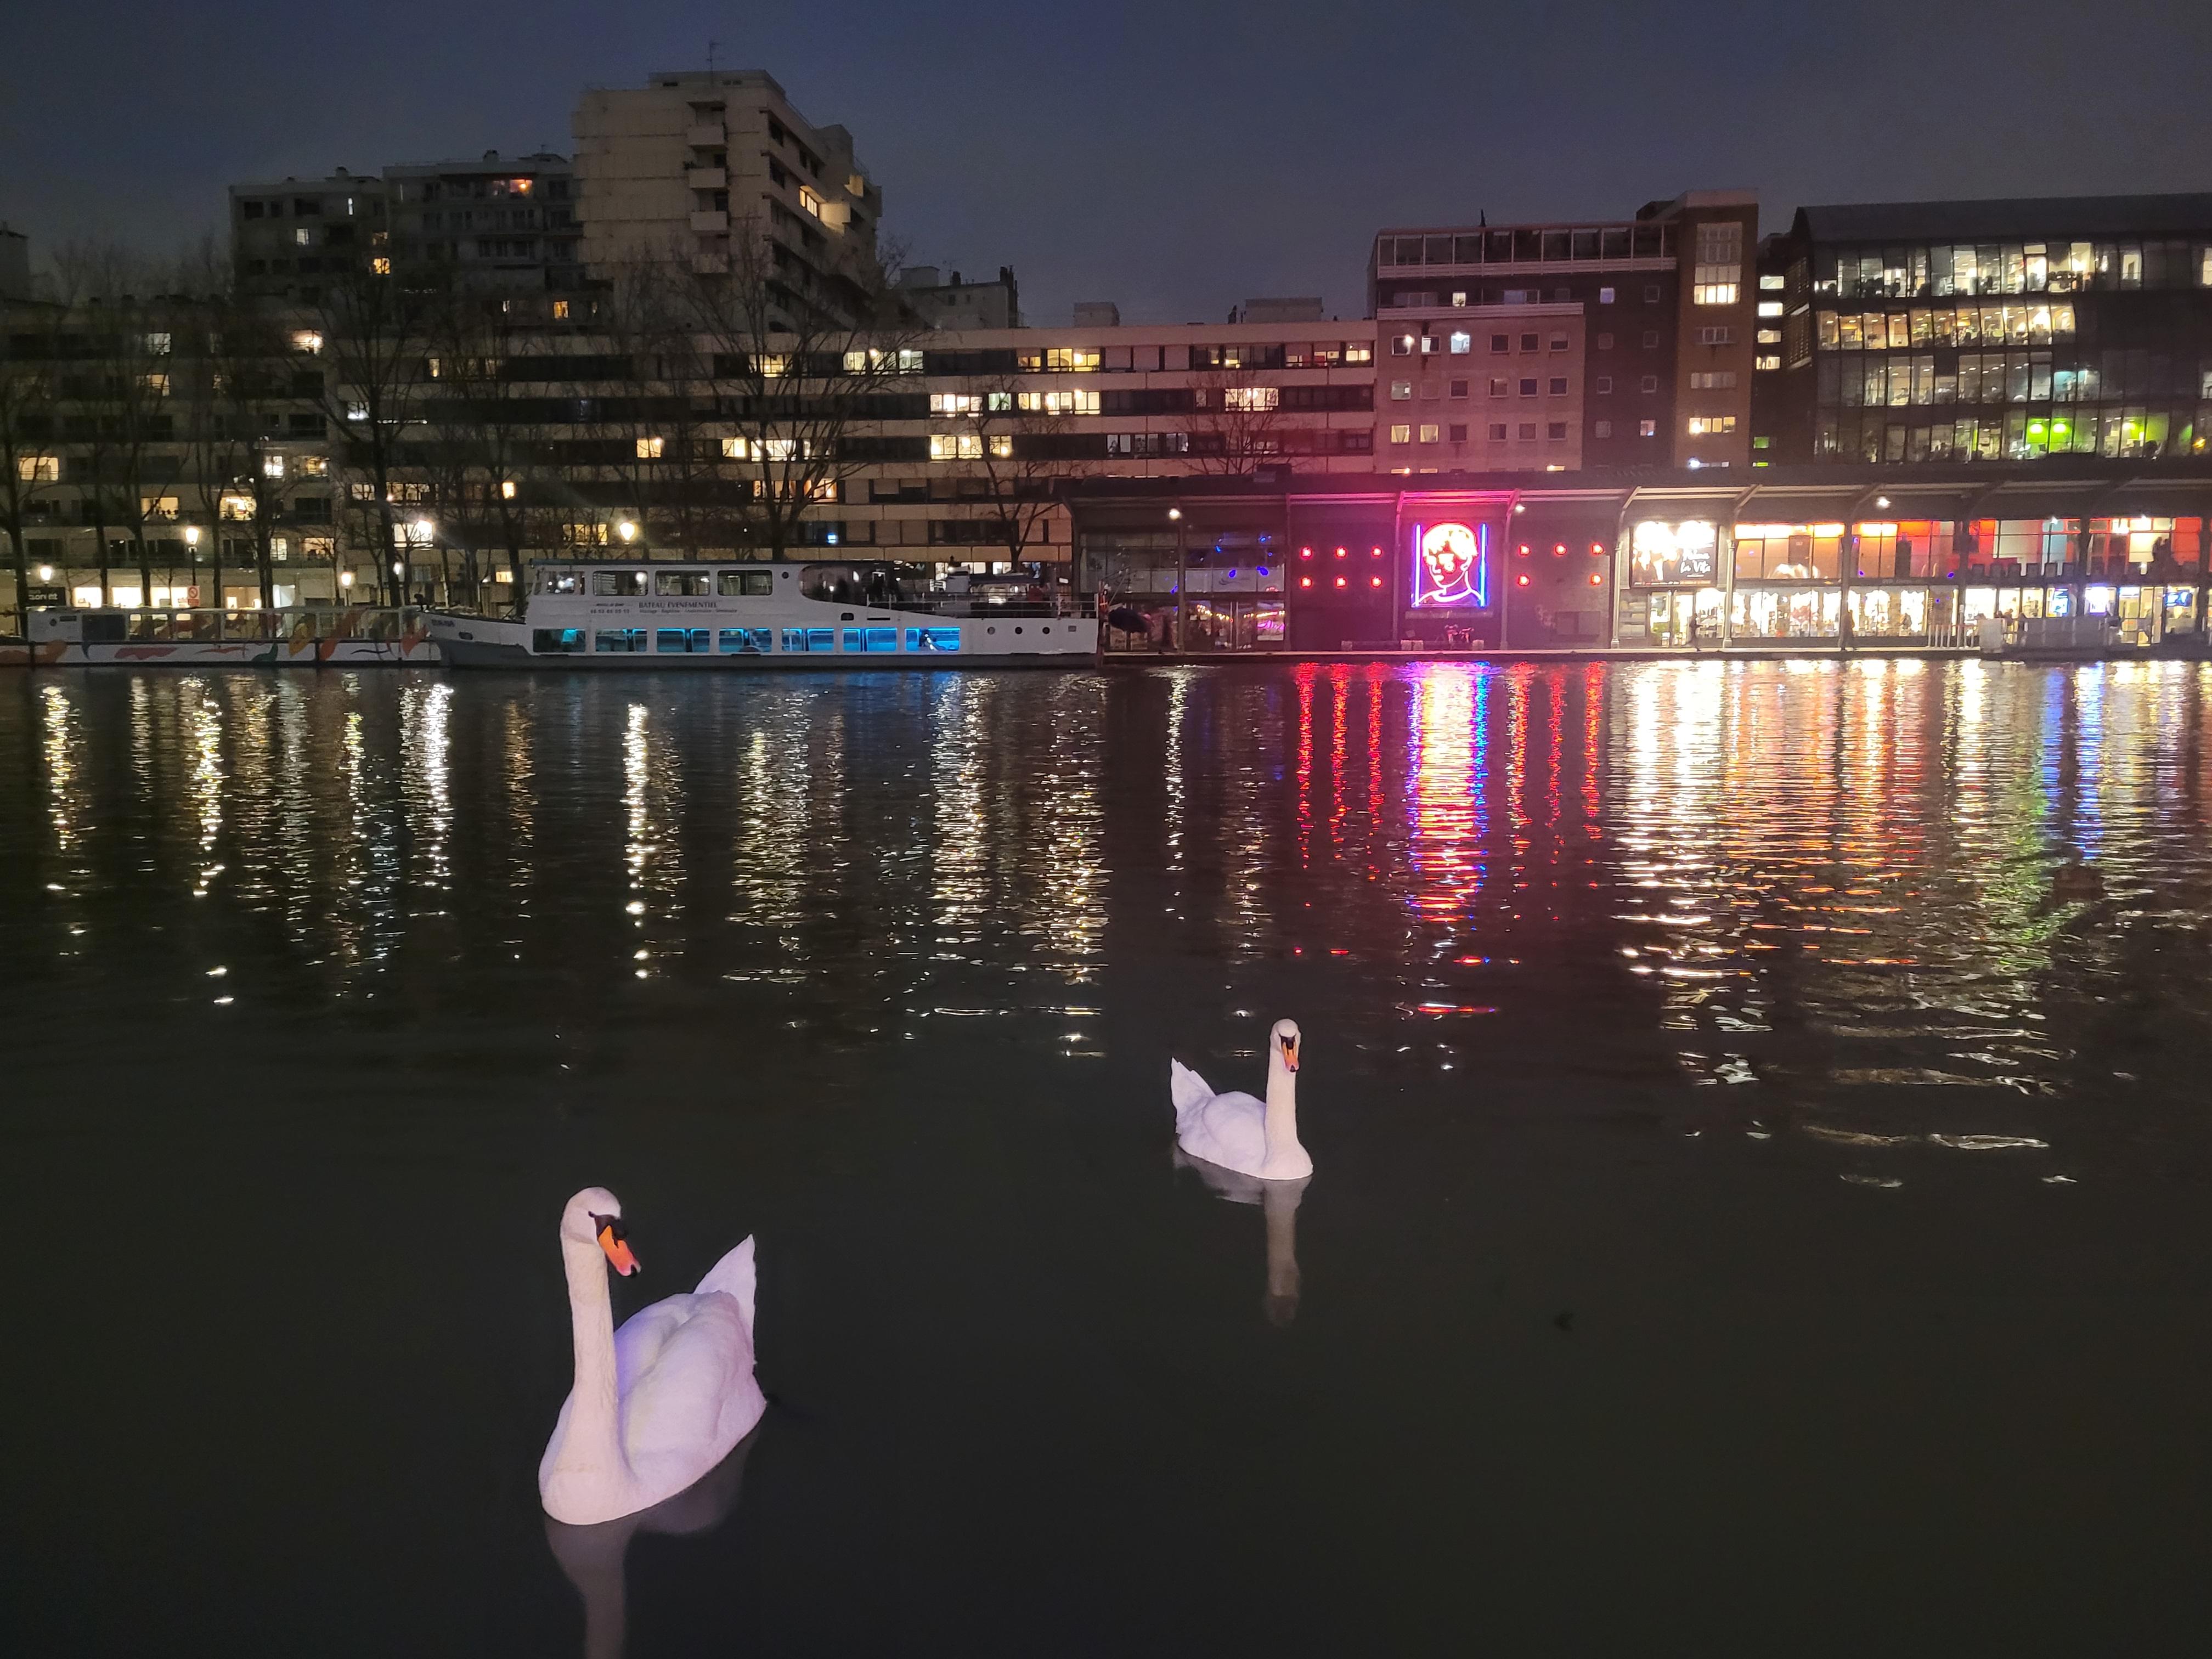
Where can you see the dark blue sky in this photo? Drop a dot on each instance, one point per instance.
(1175, 157)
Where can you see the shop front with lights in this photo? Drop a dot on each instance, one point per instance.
(1212, 578)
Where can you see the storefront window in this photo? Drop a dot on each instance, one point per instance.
(1784, 552)
(1664, 553)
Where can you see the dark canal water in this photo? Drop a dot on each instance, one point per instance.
(1760, 1115)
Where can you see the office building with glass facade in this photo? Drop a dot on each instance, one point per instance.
(1930, 332)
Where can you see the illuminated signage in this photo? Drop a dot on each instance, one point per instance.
(1451, 565)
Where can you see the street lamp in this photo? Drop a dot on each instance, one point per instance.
(192, 543)
(345, 579)
(627, 531)
(45, 572)
(1182, 573)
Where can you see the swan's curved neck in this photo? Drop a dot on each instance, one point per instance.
(594, 1442)
(1282, 1123)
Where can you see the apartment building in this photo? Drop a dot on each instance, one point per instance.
(1481, 388)
(959, 303)
(289, 236)
(1910, 333)
(499, 224)
(1666, 333)
(693, 158)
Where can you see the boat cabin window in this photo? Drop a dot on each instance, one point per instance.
(546, 640)
(619, 639)
(933, 638)
(680, 638)
(810, 639)
(559, 581)
(747, 584)
(852, 583)
(688, 583)
(747, 641)
(617, 583)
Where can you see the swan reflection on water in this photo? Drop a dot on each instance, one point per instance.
(592, 1558)
(1279, 1201)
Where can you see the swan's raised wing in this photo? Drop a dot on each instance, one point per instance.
(734, 1275)
(1188, 1090)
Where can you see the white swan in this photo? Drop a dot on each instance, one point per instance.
(1237, 1131)
(659, 1403)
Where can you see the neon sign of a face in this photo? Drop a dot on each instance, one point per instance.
(1449, 566)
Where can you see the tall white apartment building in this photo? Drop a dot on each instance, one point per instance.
(681, 163)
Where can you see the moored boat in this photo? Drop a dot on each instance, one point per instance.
(301, 637)
(759, 614)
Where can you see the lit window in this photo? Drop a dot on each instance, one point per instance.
(1717, 280)
(955, 403)
(1401, 434)
(1401, 389)
(1459, 298)
(356, 410)
(1770, 308)
(1770, 284)
(1706, 426)
(1460, 343)
(314, 466)
(560, 311)
(810, 201)
(1605, 297)
(1250, 398)
(1072, 360)
(507, 489)
(1402, 345)
(1058, 402)
(1429, 434)
(1002, 445)
(381, 266)
(1770, 336)
(1766, 362)
(773, 364)
(303, 237)
(273, 467)
(309, 340)
(649, 449)
(955, 447)
(1647, 428)
(38, 468)
(157, 345)
(736, 449)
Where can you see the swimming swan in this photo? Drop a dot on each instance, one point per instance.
(659, 1403)
(1237, 1131)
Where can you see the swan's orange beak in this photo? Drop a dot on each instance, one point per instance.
(1290, 1054)
(617, 1247)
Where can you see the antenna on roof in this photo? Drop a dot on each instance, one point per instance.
(711, 44)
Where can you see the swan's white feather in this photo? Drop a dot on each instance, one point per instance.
(734, 1275)
(1230, 1130)
(1188, 1090)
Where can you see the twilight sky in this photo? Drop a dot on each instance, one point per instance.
(1178, 157)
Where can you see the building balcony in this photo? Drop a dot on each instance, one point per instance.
(711, 221)
(707, 177)
(708, 135)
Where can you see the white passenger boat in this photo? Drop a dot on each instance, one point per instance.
(303, 636)
(696, 614)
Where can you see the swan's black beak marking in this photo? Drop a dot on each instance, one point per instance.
(1290, 1054)
(618, 1248)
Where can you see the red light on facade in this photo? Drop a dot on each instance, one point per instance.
(1340, 553)
(1597, 550)
(1306, 552)
(1522, 580)
(1339, 581)
(1559, 549)
(1523, 550)
(1596, 580)
(1375, 581)
(1374, 552)
(1305, 581)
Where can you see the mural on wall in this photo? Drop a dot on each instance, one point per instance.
(1451, 565)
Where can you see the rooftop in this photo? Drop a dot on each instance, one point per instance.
(2007, 217)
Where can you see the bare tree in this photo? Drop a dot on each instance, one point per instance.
(491, 435)
(656, 410)
(807, 362)
(1017, 442)
(29, 461)
(374, 334)
(241, 365)
(1235, 422)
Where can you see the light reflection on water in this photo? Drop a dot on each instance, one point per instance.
(1672, 1030)
(1811, 883)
